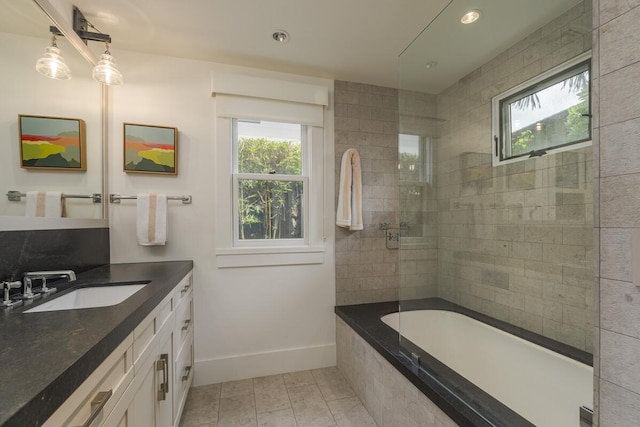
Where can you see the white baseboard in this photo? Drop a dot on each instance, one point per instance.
(244, 366)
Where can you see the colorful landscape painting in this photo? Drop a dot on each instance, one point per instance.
(52, 143)
(150, 149)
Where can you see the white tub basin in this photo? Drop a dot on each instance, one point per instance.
(99, 296)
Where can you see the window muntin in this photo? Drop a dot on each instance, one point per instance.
(547, 113)
(270, 181)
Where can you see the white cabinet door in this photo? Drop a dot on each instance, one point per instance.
(142, 409)
(164, 401)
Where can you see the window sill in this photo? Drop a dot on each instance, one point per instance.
(265, 257)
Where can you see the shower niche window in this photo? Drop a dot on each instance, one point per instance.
(549, 113)
(415, 172)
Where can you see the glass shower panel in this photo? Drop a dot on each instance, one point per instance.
(512, 242)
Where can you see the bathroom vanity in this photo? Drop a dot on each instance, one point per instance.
(124, 364)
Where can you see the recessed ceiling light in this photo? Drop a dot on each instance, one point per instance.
(470, 17)
(430, 65)
(281, 36)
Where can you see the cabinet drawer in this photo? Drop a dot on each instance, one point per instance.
(106, 384)
(183, 289)
(145, 332)
(183, 375)
(184, 322)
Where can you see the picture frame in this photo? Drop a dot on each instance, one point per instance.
(150, 149)
(52, 143)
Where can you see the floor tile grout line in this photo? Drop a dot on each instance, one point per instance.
(292, 410)
(326, 378)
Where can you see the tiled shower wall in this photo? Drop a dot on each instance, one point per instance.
(516, 241)
(617, 166)
(366, 118)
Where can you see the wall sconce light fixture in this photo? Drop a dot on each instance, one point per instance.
(52, 63)
(105, 72)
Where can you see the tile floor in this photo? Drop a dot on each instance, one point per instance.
(316, 398)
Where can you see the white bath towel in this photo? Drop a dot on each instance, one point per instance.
(349, 214)
(49, 204)
(151, 220)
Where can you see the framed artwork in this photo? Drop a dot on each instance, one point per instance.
(52, 143)
(150, 149)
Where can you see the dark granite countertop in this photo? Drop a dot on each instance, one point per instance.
(464, 402)
(45, 356)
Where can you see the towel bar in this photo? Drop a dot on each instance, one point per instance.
(115, 198)
(16, 196)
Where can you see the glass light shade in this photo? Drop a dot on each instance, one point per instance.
(52, 64)
(106, 71)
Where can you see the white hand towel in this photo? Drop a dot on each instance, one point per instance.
(151, 220)
(48, 204)
(349, 214)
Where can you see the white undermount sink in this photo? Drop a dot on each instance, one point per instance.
(99, 296)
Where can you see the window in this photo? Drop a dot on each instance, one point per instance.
(415, 158)
(270, 181)
(548, 113)
(272, 142)
(415, 163)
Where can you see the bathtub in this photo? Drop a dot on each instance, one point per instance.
(544, 387)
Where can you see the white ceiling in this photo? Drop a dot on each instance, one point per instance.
(353, 40)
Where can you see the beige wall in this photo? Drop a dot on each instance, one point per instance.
(243, 316)
(617, 183)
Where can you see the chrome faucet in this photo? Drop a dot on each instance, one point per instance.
(44, 275)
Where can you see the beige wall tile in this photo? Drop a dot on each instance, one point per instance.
(618, 407)
(619, 207)
(615, 254)
(610, 9)
(620, 307)
(619, 360)
(620, 155)
(618, 100)
(618, 42)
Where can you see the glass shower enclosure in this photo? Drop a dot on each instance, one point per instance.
(509, 239)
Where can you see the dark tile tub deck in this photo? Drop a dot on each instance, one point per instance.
(461, 400)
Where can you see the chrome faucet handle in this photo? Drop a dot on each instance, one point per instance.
(45, 289)
(7, 286)
(28, 291)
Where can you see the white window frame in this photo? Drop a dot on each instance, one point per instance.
(277, 100)
(498, 138)
(305, 141)
(426, 162)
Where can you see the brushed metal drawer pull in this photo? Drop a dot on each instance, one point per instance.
(186, 324)
(163, 365)
(185, 288)
(97, 404)
(187, 371)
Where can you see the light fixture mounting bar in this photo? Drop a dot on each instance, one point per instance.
(80, 26)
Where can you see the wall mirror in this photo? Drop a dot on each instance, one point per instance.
(24, 35)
